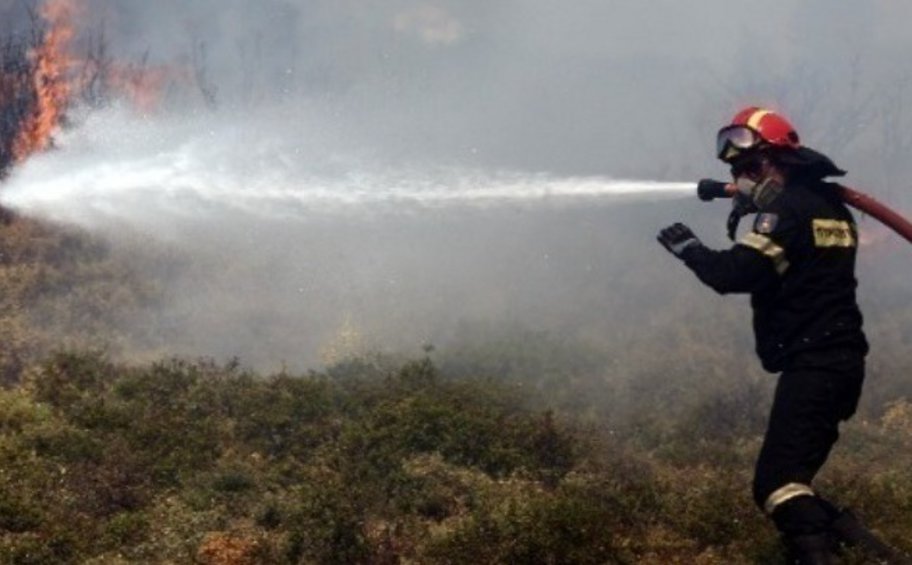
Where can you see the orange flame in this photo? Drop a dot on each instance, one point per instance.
(52, 90)
(55, 81)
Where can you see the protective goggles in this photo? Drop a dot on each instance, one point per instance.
(732, 141)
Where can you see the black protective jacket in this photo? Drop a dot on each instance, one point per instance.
(798, 264)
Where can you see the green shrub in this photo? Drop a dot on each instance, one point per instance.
(125, 529)
(16, 515)
(325, 524)
(181, 460)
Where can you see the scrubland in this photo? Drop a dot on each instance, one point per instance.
(505, 445)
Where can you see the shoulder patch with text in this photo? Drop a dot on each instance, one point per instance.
(833, 233)
(766, 223)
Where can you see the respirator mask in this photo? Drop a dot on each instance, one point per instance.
(754, 193)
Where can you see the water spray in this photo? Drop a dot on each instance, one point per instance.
(709, 189)
(117, 168)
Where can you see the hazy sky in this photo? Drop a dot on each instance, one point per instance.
(624, 87)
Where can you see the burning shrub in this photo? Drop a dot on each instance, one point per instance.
(40, 79)
(34, 90)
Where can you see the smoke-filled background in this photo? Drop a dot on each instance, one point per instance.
(417, 237)
(316, 179)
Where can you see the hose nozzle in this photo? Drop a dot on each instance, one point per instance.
(709, 189)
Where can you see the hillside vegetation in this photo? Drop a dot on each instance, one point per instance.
(514, 446)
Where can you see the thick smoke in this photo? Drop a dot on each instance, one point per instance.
(597, 88)
(308, 164)
(292, 247)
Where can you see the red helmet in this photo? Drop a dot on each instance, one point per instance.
(755, 128)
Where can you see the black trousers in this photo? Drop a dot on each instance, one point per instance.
(814, 394)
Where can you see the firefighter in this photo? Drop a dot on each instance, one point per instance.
(798, 265)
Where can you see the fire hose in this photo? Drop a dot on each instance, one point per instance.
(709, 189)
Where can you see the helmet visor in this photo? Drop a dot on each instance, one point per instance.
(732, 141)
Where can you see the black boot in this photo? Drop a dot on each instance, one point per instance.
(849, 531)
(812, 549)
(803, 522)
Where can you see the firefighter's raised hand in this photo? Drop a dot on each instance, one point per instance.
(676, 238)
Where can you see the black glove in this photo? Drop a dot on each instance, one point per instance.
(676, 238)
(709, 189)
